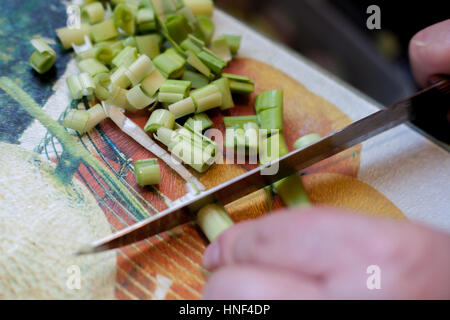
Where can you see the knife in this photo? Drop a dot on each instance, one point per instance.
(431, 103)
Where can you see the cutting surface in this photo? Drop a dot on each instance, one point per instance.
(169, 266)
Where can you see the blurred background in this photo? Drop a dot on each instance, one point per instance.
(333, 33)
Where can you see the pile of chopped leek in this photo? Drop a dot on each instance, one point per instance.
(156, 55)
(161, 56)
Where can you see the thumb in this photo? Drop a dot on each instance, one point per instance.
(429, 52)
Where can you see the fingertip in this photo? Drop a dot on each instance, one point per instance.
(253, 282)
(429, 52)
(211, 257)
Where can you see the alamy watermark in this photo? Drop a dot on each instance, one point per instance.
(374, 20)
(74, 277)
(73, 17)
(374, 280)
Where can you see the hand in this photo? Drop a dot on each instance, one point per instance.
(429, 52)
(324, 254)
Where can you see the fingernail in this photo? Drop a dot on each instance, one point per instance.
(419, 43)
(421, 39)
(211, 258)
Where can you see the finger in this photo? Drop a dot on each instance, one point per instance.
(313, 242)
(256, 283)
(429, 52)
(296, 240)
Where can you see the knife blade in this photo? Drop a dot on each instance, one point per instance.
(437, 95)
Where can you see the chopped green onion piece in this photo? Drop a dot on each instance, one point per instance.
(145, 4)
(242, 139)
(213, 220)
(104, 30)
(198, 80)
(76, 120)
(234, 42)
(269, 108)
(69, 36)
(170, 63)
(198, 143)
(169, 98)
(191, 45)
(160, 118)
(272, 148)
(139, 69)
(147, 172)
(148, 45)
(306, 140)
(205, 29)
(200, 7)
(92, 67)
(93, 13)
(86, 54)
(102, 82)
(163, 7)
(116, 45)
(200, 121)
(193, 155)
(239, 121)
(152, 82)
(124, 17)
(240, 84)
(179, 4)
(291, 189)
(96, 115)
(207, 98)
(104, 53)
(120, 79)
(190, 153)
(172, 91)
(190, 17)
(129, 42)
(215, 63)
(268, 100)
(237, 77)
(126, 57)
(87, 45)
(41, 45)
(178, 27)
(195, 136)
(146, 20)
(230, 141)
(239, 136)
(167, 136)
(80, 85)
(241, 87)
(221, 49)
(251, 130)
(224, 86)
(182, 108)
(118, 98)
(138, 99)
(176, 86)
(197, 64)
(271, 119)
(197, 41)
(43, 58)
